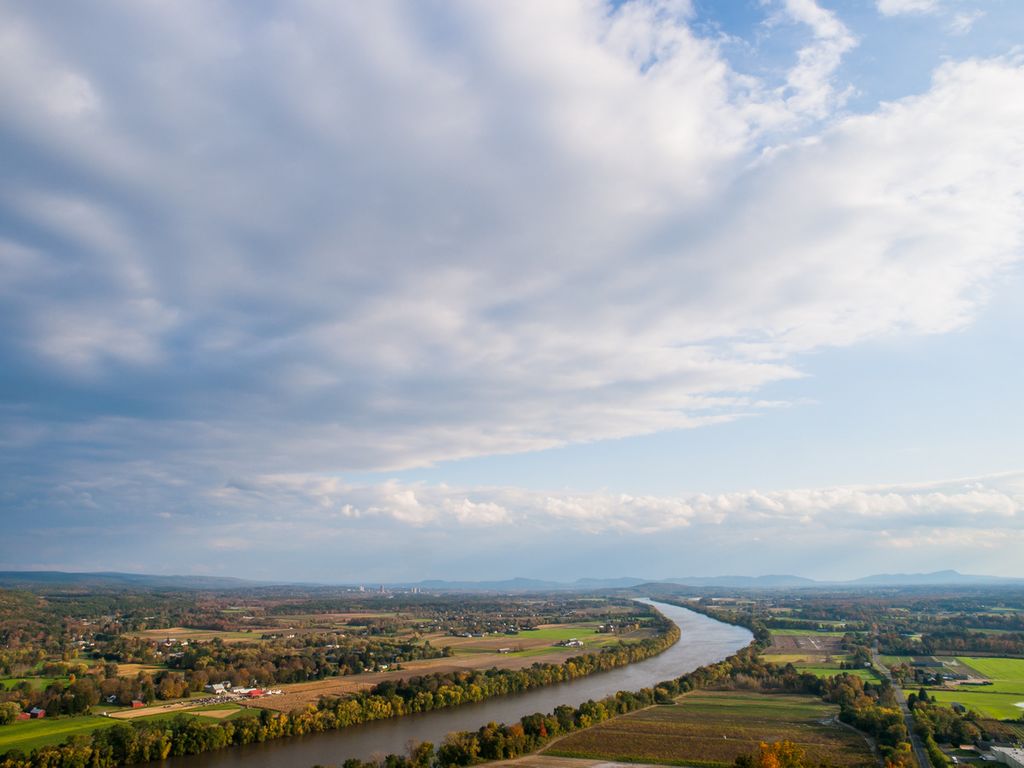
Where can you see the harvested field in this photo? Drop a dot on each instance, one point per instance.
(814, 643)
(158, 709)
(713, 728)
(131, 670)
(219, 714)
(550, 761)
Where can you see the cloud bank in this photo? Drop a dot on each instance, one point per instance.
(325, 528)
(322, 239)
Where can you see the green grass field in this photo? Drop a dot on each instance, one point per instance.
(999, 706)
(1003, 700)
(1007, 675)
(29, 734)
(555, 634)
(37, 683)
(708, 728)
(868, 675)
(26, 735)
(587, 634)
(817, 666)
(892, 661)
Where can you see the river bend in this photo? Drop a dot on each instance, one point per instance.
(703, 641)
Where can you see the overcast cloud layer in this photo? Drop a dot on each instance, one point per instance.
(248, 250)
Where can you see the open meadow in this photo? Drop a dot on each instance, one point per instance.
(26, 735)
(712, 728)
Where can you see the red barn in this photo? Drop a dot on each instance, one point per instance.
(255, 693)
(36, 713)
(136, 704)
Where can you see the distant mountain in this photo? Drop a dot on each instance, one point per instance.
(518, 584)
(114, 579)
(623, 582)
(744, 582)
(937, 578)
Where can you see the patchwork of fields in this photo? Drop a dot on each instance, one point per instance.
(712, 728)
(819, 653)
(1002, 700)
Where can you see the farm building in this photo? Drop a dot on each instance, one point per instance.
(37, 713)
(137, 704)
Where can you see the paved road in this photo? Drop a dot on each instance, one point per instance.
(915, 741)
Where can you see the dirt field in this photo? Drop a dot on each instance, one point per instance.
(549, 761)
(160, 709)
(219, 714)
(300, 694)
(805, 644)
(131, 670)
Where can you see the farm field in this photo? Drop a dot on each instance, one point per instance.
(1003, 700)
(538, 642)
(794, 641)
(804, 633)
(550, 761)
(26, 735)
(37, 683)
(818, 661)
(868, 675)
(998, 706)
(1007, 675)
(892, 661)
(29, 734)
(712, 728)
(131, 670)
(185, 633)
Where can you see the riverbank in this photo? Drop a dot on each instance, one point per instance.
(261, 729)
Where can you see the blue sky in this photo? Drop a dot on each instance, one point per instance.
(455, 290)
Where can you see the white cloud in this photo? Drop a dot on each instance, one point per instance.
(327, 528)
(964, 22)
(333, 238)
(987, 503)
(810, 88)
(899, 7)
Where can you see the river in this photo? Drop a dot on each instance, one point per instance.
(703, 641)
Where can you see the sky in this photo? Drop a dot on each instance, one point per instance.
(402, 290)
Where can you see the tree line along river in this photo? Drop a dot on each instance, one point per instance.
(703, 641)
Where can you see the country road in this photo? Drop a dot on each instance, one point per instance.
(919, 751)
